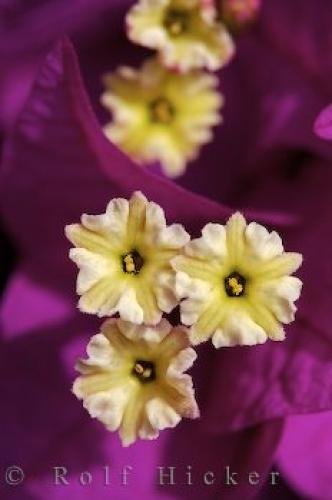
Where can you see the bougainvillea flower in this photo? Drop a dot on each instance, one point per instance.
(185, 32)
(58, 154)
(59, 145)
(124, 260)
(133, 379)
(236, 283)
(323, 124)
(161, 115)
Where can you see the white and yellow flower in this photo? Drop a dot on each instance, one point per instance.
(160, 115)
(133, 380)
(185, 32)
(237, 285)
(124, 260)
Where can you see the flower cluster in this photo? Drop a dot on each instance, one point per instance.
(164, 111)
(233, 284)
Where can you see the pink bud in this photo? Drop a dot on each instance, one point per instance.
(238, 13)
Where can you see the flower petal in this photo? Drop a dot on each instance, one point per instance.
(235, 230)
(174, 236)
(129, 308)
(287, 263)
(182, 362)
(84, 238)
(239, 330)
(165, 291)
(211, 244)
(108, 407)
(195, 288)
(161, 415)
(262, 243)
(98, 349)
(281, 295)
(92, 268)
(150, 334)
(112, 224)
(155, 217)
(102, 299)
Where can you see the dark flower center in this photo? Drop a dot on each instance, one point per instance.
(132, 262)
(144, 370)
(235, 285)
(161, 111)
(176, 21)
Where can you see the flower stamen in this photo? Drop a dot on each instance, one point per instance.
(132, 262)
(176, 22)
(235, 285)
(161, 111)
(144, 371)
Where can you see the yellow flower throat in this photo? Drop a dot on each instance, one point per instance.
(235, 285)
(132, 262)
(144, 371)
(161, 111)
(176, 21)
